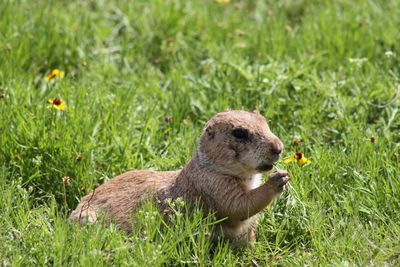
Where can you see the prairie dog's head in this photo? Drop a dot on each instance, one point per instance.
(239, 143)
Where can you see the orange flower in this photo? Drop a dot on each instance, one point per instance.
(54, 74)
(56, 103)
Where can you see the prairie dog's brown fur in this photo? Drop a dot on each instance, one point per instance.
(224, 174)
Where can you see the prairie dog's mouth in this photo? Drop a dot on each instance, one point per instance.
(264, 167)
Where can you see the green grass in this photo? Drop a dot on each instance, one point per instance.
(324, 71)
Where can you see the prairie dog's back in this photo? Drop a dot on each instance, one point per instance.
(118, 198)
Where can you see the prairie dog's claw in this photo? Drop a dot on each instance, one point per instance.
(280, 179)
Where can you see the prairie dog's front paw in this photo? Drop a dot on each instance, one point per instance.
(279, 180)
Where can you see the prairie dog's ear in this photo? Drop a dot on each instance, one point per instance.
(256, 112)
(210, 133)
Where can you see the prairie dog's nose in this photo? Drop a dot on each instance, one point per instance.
(276, 146)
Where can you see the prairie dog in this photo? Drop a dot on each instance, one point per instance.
(223, 174)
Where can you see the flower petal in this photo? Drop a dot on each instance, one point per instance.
(54, 74)
(60, 107)
(303, 161)
(289, 160)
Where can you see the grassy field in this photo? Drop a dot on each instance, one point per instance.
(142, 78)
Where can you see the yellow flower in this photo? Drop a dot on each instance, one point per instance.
(56, 103)
(223, 1)
(299, 158)
(54, 74)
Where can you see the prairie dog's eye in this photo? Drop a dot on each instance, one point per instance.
(240, 133)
